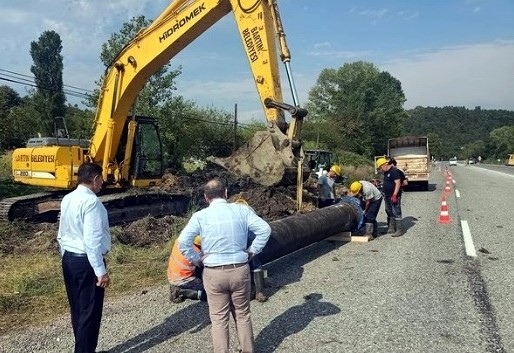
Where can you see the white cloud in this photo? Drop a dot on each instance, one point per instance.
(340, 54)
(374, 13)
(408, 14)
(322, 45)
(468, 75)
(13, 17)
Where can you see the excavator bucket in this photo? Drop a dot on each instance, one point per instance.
(267, 159)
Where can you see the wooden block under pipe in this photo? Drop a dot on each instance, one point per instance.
(347, 237)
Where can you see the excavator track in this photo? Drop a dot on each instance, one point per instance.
(122, 207)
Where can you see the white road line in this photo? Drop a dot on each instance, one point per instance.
(468, 240)
(457, 193)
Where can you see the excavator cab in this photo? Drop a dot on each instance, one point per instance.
(141, 145)
(510, 159)
(318, 161)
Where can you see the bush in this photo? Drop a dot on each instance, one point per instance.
(355, 167)
(5, 166)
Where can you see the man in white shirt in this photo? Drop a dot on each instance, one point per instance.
(84, 240)
(224, 228)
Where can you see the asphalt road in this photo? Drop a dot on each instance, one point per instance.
(427, 291)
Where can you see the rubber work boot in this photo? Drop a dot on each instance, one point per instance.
(189, 294)
(258, 279)
(399, 228)
(374, 233)
(175, 296)
(392, 226)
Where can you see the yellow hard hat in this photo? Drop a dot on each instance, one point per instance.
(241, 201)
(336, 169)
(380, 162)
(355, 187)
(197, 241)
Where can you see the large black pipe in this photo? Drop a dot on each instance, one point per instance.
(298, 231)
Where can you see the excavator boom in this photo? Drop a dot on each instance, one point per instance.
(267, 157)
(119, 141)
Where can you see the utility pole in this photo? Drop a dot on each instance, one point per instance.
(235, 129)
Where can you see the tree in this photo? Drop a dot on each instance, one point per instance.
(457, 127)
(9, 99)
(434, 145)
(22, 125)
(47, 70)
(361, 107)
(502, 140)
(79, 122)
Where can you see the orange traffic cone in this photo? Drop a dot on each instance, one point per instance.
(444, 216)
(447, 188)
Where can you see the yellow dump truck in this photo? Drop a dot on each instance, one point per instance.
(510, 159)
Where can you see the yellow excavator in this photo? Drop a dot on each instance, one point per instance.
(128, 146)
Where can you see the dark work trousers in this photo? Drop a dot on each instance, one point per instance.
(325, 202)
(371, 215)
(86, 301)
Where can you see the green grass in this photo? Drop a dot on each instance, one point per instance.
(31, 285)
(32, 290)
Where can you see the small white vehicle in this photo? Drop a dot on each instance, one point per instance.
(453, 161)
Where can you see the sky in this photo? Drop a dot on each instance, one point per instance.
(444, 52)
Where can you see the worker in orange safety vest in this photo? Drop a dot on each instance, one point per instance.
(184, 277)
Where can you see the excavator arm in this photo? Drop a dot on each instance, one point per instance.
(267, 157)
(119, 143)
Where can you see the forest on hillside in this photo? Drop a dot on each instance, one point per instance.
(462, 132)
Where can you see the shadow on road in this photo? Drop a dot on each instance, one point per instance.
(289, 269)
(195, 317)
(292, 321)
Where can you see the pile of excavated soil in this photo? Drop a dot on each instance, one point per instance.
(270, 203)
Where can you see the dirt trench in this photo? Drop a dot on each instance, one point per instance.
(270, 203)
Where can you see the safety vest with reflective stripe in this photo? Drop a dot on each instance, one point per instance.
(180, 268)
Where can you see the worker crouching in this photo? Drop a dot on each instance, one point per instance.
(371, 199)
(184, 277)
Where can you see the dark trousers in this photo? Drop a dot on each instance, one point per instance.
(325, 202)
(371, 215)
(86, 301)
